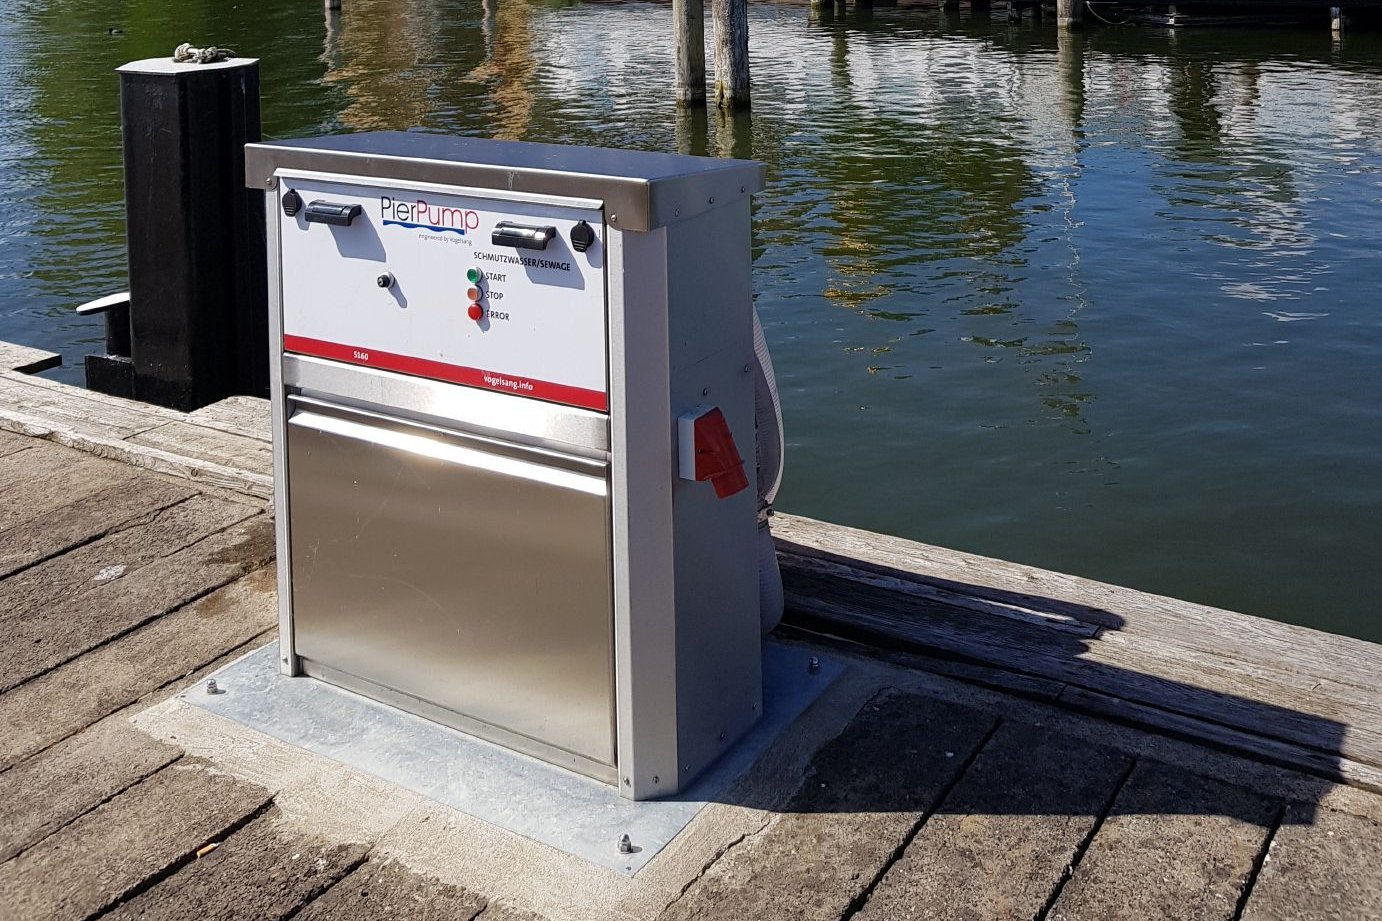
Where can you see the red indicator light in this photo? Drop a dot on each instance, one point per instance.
(475, 311)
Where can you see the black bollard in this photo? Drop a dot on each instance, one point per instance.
(198, 311)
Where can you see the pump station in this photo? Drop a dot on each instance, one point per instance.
(513, 393)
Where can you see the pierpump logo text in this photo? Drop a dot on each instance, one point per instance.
(427, 216)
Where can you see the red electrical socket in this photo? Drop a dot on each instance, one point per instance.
(707, 451)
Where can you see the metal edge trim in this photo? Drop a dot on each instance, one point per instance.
(288, 660)
(630, 203)
(448, 405)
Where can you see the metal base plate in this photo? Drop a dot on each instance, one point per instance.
(540, 801)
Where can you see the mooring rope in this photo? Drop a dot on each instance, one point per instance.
(185, 54)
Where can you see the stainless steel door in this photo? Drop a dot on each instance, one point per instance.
(461, 577)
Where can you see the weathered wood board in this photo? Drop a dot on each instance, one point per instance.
(213, 445)
(59, 703)
(1175, 847)
(26, 360)
(247, 416)
(1281, 691)
(1312, 871)
(999, 844)
(101, 857)
(862, 796)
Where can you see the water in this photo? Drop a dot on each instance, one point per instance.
(1107, 305)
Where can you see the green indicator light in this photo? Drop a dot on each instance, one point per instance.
(472, 275)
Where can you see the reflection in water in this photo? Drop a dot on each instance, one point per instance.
(509, 67)
(972, 230)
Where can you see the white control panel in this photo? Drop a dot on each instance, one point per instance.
(471, 289)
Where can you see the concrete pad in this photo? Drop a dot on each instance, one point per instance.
(862, 796)
(1322, 866)
(107, 853)
(262, 872)
(997, 848)
(1177, 846)
(526, 796)
(388, 891)
(325, 798)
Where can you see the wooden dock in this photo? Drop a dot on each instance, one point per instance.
(1006, 743)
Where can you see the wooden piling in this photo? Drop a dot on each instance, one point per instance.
(689, 20)
(333, 4)
(1070, 14)
(195, 234)
(731, 22)
(1337, 21)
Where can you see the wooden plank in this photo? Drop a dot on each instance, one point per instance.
(1254, 745)
(108, 853)
(1239, 695)
(251, 482)
(1167, 622)
(36, 482)
(998, 847)
(45, 793)
(26, 360)
(1026, 610)
(247, 416)
(384, 889)
(262, 872)
(42, 639)
(208, 444)
(1000, 679)
(76, 410)
(1322, 866)
(63, 391)
(863, 794)
(1176, 846)
(84, 519)
(94, 566)
(37, 715)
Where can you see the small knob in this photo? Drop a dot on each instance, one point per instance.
(385, 280)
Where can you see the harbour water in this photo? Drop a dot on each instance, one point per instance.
(1107, 304)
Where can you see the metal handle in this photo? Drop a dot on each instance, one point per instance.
(379, 427)
(498, 458)
(522, 236)
(330, 212)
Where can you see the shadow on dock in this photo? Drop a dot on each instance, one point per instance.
(1200, 685)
